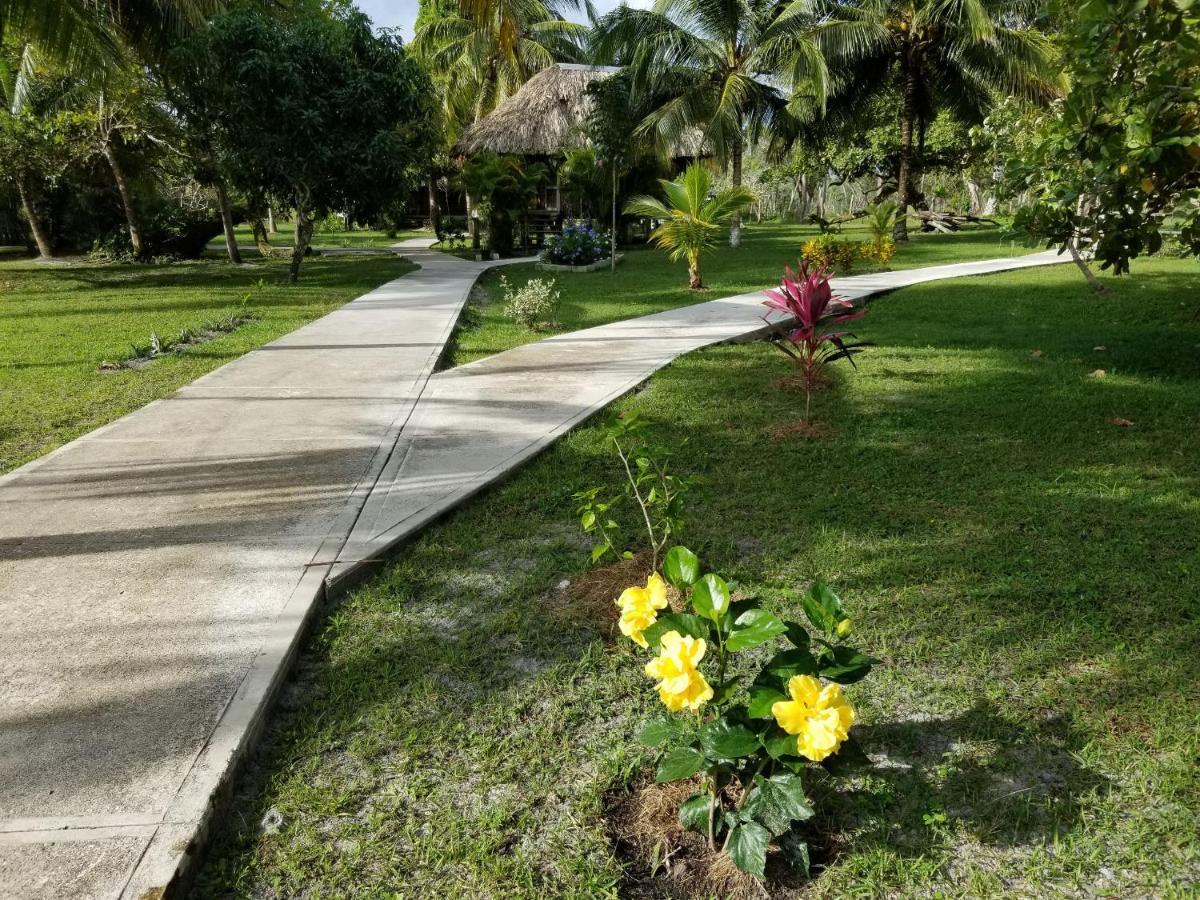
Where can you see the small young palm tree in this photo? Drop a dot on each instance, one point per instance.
(693, 219)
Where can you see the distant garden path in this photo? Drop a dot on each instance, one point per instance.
(156, 574)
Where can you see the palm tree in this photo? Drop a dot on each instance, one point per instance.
(722, 67)
(934, 54)
(487, 49)
(693, 219)
(89, 37)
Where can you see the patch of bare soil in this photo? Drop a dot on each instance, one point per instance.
(663, 861)
(592, 597)
(801, 429)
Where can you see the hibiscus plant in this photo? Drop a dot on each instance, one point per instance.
(652, 489)
(750, 742)
(806, 335)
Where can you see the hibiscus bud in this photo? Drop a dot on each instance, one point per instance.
(843, 628)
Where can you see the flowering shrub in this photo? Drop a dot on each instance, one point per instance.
(830, 253)
(657, 493)
(577, 245)
(531, 303)
(808, 302)
(880, 251)
(750, 745)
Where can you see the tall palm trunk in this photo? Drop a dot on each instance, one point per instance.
(231, 247)
(132, 218)
(735, 159)
(694, 280)
(41, 234)
(908, 115)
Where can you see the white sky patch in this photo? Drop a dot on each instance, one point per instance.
(403, 13)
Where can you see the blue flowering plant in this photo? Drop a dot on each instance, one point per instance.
(577, 245)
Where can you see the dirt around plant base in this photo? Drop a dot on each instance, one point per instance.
(663, 861)
(801, 430)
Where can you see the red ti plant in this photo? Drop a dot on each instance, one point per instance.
(806, 335)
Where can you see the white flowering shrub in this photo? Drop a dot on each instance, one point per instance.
(531, 303)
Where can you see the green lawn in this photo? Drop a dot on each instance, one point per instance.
(1026, 570)
(59, 323)
(645, 282)
(330, 237)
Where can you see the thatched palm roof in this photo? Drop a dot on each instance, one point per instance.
(545, 117)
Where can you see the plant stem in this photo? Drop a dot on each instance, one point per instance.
(638, 496)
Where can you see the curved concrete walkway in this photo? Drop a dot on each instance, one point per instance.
(156, 575)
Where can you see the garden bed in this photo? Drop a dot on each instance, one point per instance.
(590, 267)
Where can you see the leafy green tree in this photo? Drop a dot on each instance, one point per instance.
(1120, 156)
(502, 188)
(487, 49)
(719, 69)
(320, 114)
(691, 219)
(934, 55)
(33, 155)
(611, 128)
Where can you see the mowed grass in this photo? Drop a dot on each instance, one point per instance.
(328, 237)
(1025, 569)
(645, 282)
(59, 323)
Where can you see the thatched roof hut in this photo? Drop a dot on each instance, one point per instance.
(544, 118)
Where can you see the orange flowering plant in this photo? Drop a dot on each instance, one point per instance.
(749, 740)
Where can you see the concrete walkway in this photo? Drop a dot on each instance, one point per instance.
(155, 575)
(477, 422)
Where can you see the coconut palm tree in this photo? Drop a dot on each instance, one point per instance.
(487, 49)
(693, 219)
(727, 68)
(934, 54)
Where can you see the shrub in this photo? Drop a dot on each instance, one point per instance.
(830, 254)
(808, 302)
(577, 245)
(531, 303)
(880, 251)
(752, 744)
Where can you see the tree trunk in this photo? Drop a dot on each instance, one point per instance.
(1076, 257)
(304, 227)
(231, 247)
(735, 230)
(435, 211)
(694, 280)
(41, 234)
(908, 113)
(271, 229)
(132, 219)
(612, 267)
(261, 241)
(975, 194)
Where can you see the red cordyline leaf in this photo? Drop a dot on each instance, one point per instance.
(807, 297)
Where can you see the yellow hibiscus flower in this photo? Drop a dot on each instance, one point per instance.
(640, 606)
(818, 715)
(680, 684)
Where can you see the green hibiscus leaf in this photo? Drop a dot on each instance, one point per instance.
(797, 634)
(727, 740)
(657, 733)
(795, 851)
(684, 623)
(693, 814)
(681, 567)
(681, 763)
(710, 597)
(748, 847)
(779, 743)
(777, 802)
(791, 662)
(848, 666)
(850, 758)
(753, 628)
(762, 698)
(823, 607)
